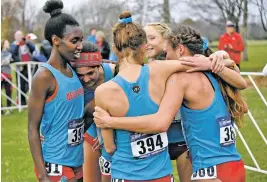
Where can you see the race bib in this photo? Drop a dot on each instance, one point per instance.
(177, 118)
(75, 132)
(104, 166)
(53, 169)
(145, 145)
(205, 173)
(227, 131)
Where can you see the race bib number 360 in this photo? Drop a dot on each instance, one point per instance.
(145, 145)
(205, 173)
(75, 132)
(227, 131)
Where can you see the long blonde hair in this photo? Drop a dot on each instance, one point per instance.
(191, 38)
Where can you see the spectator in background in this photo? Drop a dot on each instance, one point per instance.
(232, 42)
(264, 71)
(102, 44)
(22, 50)
(91, 38)
(6, 59)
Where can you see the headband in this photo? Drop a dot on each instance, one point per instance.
(126, 20)
(205, 43)
(88, 59)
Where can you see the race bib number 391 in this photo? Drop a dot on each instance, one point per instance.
(227, 131)
(75, 132)
(145, 145)
(53, 169)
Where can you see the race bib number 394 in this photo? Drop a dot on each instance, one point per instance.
(227, 131)
(75, 132)
(205, 173)
(145, 145)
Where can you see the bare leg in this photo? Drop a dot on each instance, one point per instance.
(184, 168)
(91, 170)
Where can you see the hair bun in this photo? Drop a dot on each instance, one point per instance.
(125, 14)
(53, 7)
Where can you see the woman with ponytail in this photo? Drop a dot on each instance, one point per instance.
(56, 103)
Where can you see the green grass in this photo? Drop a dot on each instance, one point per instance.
(17, 165)
(257, 56)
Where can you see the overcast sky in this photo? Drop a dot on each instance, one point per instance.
(179, 12)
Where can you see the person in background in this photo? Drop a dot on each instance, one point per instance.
(33, 38)
(102, 44)
(232, 43)
(91, 37)
(22, 49)
(264, 71)
(6, 59)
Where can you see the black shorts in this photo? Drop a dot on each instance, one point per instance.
(176, 149)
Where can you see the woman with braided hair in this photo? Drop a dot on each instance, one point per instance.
(56, 103)
(207, 116)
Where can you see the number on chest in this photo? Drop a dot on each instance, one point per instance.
(75, 132)
(53, 169)
(146, 145)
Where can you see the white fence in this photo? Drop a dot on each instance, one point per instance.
(15, 67)
(31, 65)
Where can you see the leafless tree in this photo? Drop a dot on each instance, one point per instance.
(228, 10)
(262, 7)
(166, 12)
(245, 29)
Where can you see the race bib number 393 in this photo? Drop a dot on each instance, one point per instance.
(145, 145)
(205, 173)
(227, 131)
(104, 166)
(75, 132)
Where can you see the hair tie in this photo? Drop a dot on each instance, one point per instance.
(126, 20)
(55, 12)
(205, 43)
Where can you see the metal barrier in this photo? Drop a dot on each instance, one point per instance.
(15, 67)
(257, 169)
(18, 105)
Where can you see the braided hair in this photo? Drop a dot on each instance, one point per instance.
(191, 39)
(188, 37)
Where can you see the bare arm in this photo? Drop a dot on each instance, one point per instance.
(107, 134)
(88, 116)
(153, 123)
(40, 87)
(233, 78)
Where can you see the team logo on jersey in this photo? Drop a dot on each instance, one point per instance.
(136, 88)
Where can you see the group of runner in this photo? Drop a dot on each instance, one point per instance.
(149, 114)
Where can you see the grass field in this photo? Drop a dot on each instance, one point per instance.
(17, 165)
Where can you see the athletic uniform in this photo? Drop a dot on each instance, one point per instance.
(91, 133)
(210, 137)
(62, 126)
(177, 145)
(138, 156)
